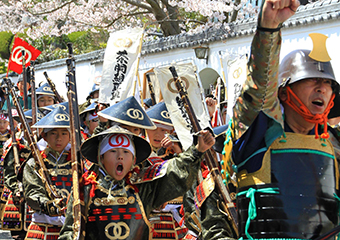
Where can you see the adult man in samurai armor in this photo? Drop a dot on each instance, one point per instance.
(285, 156)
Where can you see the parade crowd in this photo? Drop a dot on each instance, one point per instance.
(277, 155)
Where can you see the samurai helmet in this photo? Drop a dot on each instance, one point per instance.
(160, 114)
(305, 64)
(58, 118)
(95, 88)
(128, 112)
(89, 148)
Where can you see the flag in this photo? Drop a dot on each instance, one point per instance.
(237, 75)
(216, 119)
(174, 104)
(154, 84)
(15, 61)
(120, 64)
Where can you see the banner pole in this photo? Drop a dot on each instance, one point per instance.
(137, 67)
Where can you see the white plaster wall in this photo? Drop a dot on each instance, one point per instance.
(293, 38)
(85, 75)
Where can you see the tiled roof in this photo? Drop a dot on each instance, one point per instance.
(312, 13)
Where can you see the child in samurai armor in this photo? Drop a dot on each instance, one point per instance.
(160, 137)
(131, 116)
(45, 95)
(118, 197)
(20, 85)
(49, 212)
(166, 220)
(90, 119)
(200, 203)
(4, 129)
(13, 216)
(16, 215)
(93, 95)
(4, 136)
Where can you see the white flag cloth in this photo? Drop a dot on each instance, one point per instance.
(173, 101)
(119, 67)
(237, 75)
(155, 85)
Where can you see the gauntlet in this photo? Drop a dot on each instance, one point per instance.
(54, 207)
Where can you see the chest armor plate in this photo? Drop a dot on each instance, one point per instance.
(61, 176)
(306, 174)
(120, 217)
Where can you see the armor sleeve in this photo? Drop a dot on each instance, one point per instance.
(190, 217)
(215, 224)
(10, 178)
(21, 101)
(66, 232)
(180, 174)
(259, 93)
(35, 193)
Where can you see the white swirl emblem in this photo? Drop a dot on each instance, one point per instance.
(47, 89)
(17, 56)
(135, 114)
(165, 114)
(118, 230)
(61, 118)
(14, 113)
(58, 105)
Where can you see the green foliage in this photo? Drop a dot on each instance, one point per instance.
(3, 67)
(75, 35)
(53, 47)
(5, 46)
(88, 41)
(192, 19)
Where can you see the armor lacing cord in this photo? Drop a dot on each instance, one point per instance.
(120, 183)
(337, 198)
(307, 115)
(90, 178)
(229, 134)
(250, 193)
(131, 176)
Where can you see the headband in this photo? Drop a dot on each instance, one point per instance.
(4, 117)
(160, 125)
(91, 116)
(115, 140)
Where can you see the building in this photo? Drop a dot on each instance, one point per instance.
(320, 17)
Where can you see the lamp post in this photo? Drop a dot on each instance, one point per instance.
(202, 52)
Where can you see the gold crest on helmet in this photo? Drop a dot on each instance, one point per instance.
(319, 51)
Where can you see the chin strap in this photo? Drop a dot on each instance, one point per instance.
(307, 115)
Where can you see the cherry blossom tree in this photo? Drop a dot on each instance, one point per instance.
(56, 17)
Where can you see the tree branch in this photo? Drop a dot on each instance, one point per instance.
(113, 21)
(138, 4)
(53, 10)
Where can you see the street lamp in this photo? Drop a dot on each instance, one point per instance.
(202, 52)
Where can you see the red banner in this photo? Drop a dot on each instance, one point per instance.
(15, 62)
